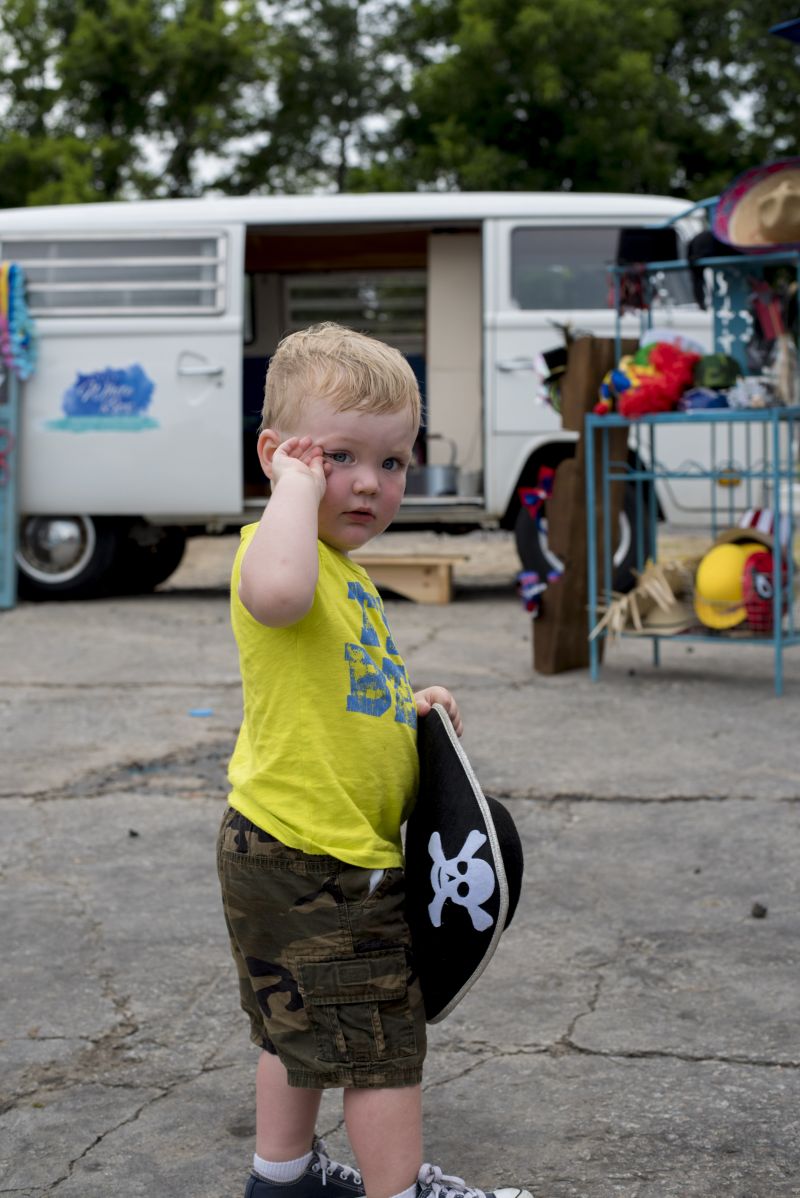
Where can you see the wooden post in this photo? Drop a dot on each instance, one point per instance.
(560, 631)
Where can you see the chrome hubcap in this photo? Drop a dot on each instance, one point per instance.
(55, 548)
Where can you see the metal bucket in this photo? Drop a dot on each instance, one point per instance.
(435, 480)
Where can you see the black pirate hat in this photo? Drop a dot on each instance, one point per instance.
(642, 243)
(463, 869)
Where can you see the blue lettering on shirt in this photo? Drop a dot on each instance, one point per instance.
(373, 688)
(369, 690)
(369, 634)
(405, 709)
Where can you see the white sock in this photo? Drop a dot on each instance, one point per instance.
(411, 1192)
(281, 1170)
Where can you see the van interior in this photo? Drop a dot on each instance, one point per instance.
(416, 287)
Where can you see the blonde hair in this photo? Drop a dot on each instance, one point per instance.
(348, 369)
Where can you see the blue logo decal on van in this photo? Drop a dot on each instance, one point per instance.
(108, 401)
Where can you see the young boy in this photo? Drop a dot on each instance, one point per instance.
(323, 775)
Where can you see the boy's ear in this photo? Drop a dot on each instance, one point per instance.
(268, 442)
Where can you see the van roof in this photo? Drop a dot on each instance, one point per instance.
(400, 207)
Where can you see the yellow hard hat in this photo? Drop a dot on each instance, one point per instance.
(718, 585)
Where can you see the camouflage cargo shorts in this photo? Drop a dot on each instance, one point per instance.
(324, 959)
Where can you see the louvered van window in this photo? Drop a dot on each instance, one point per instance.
(122, 276)
(388, 304)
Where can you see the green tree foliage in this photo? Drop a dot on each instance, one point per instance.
(44, 170)
(35, 165)
(106, 67)
(665, 96)
(101, 99)
(331, 76)
(211, 66)
(739, 89)
(105, 98)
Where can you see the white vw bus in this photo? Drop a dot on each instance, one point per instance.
(156, 321)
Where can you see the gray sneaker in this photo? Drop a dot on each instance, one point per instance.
(432, 1183)
(323, 1178)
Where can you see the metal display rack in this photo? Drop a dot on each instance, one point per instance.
(765, 473)
(732, 322)
(769, 469)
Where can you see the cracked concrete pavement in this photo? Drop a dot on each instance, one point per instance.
(636, 1032)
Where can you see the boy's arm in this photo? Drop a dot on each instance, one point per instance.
(281, 565)
(426, 698)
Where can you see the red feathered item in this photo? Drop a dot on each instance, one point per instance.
(660, 393)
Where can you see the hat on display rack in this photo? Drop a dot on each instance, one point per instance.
(760, 211)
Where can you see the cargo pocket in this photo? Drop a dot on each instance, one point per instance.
(358, 1007)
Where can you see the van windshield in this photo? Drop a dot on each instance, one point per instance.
(568, 268)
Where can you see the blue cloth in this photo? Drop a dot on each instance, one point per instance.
(700, 398)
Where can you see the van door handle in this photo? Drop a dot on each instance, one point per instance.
(508, 365)
(196, 371)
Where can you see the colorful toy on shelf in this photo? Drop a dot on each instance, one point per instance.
(717, 371)
(758, 590)
(735, 580)
(651, 380)
(713, 377)
(719, 585)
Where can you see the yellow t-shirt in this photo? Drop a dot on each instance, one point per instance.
(326, 759)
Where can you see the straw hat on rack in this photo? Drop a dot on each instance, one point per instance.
(760, 211)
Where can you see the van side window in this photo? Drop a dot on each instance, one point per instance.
(127, 275)
(567, 268)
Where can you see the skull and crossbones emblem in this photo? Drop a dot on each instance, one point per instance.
(462, 879)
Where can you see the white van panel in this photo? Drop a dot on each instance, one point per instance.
(131, 414)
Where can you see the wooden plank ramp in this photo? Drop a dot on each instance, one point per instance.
(423, 577)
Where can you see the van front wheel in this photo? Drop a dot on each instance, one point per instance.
(65, 557)
(537, 556)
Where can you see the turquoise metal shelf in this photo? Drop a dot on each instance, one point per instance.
(768, 469)
(765, 474)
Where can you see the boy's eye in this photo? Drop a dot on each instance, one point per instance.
(392, 464)
(339, 455)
